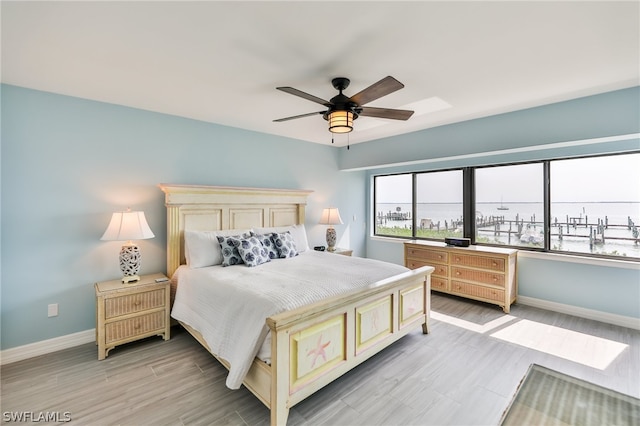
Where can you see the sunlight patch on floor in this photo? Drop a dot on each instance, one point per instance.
(471, 326)
(578, 347)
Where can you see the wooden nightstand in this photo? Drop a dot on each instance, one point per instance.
(342, 251)
(128, 312)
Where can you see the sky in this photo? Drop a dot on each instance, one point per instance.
(614, 178)
(596, 179)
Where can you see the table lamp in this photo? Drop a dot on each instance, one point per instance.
(331, 216)
(128, 226)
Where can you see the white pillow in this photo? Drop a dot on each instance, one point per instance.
(298, 233)
(203, 249)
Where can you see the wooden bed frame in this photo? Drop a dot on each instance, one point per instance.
(362, 323)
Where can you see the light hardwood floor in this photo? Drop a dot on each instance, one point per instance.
(458, 375)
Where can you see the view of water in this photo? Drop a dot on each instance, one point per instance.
(574, 238)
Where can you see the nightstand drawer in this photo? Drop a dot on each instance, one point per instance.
(136, 326)
(132, 303)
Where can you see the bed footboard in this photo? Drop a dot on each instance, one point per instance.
(315, 345)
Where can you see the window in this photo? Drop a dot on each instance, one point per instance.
(510, 205)
(587, 205)
(439, 204)
(393, 205)
(595, 205)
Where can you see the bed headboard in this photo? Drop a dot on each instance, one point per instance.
(213, 208)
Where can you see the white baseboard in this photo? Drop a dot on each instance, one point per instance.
(591, 314)
(43, 347)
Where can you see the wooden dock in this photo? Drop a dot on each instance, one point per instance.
(530, 231)
(595, 232)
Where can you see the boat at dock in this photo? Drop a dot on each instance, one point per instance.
(502, 206)
(530, 236)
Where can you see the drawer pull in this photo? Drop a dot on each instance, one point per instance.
(137, 326)
(457, 259)
(495, 278)
(495, 264)
(458, 273)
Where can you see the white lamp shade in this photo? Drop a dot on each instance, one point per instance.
(125, 226)
(331, 216)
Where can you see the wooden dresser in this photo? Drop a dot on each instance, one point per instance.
(482, 273)
(128, 312)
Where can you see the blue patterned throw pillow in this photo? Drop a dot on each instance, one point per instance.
(267, 242)
(229, 247)
(252, 251)
(285, 244)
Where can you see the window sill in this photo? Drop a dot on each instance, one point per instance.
(585, 260)
(397, 240)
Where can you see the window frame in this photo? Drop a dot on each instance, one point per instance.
(469, 205)
(545, 206)
(414, 209)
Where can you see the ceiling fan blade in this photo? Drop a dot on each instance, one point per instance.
(377, 90)
(304, 95)
(394, 114)
(298, 116)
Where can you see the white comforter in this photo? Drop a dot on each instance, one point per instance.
(229, 305)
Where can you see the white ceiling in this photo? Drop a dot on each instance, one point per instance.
(220, 62)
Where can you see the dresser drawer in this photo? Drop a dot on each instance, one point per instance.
(439, 283)
(415, 264)
(427, 255)
(477, 291)
(492, 263)
(135, 326)
(438, 271)
(485, 277)
(132, 303)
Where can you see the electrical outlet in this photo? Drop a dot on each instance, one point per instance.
(52, 310)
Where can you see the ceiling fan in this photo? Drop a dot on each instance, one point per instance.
(342, 110)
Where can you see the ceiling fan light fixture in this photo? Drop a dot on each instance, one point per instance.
(340, 121)
(341, 110)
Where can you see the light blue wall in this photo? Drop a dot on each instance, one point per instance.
(607, 289)
(68, 163)
(609, 114)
